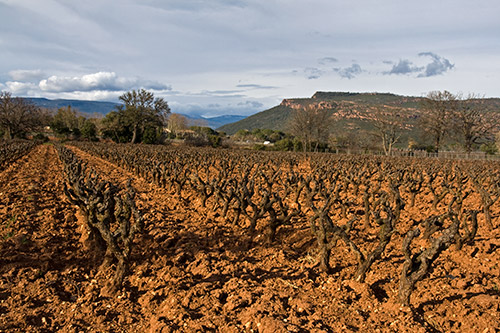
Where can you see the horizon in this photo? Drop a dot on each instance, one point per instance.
(242, 57)
(199, 115)
(193, 116)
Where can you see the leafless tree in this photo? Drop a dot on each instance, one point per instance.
(18, 117)
(473, 122)
(389, 125)
(435, 119)
(312, 125)
(176, 122)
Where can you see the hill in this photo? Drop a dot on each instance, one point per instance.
(352, 111)
(87, 107)
(275, 118)
(349, 106)
(92, 108)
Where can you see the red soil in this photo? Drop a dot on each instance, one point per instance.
(192, 273)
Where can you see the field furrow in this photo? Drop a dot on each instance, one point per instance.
(194, 269)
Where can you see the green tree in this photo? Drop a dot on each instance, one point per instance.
(69, 123)
(89, 130)
(276, 136)
(152, 135)
(242, 135)
(66, 122)
(114, 128)
(204, 136)
(285, 144)
(141, 110)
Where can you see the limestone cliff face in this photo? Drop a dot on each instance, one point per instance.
(346, 109)
(300, 104)
(336, 94)
(290, 103)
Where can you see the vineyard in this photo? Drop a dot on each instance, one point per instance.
(135, 238)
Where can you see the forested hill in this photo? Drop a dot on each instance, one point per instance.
(92, 108)
(87, 107)
(352, 109)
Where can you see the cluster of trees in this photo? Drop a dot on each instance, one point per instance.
(445, 114)
(141, 118)
(67, 123)
(443, 117)
(200, 136)
(260, 135)
(268, 139)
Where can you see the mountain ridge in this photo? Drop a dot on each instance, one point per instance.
(100, 108)
(352, 110)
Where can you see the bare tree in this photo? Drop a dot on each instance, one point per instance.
(435, 119)
(18, 117)
(312, 125)
(473, 123)
(389, 126)
(176, 122)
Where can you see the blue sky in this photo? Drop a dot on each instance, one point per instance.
(240, 57)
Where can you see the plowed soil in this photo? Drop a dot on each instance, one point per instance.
(192, 273)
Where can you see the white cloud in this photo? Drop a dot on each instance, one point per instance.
(101, 81)
(95, 95)
(252, 104)
(27, 75)
(254, 86)
(214, 47)
(20, 88)
(95, 86)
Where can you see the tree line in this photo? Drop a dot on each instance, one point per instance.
(443, 117)
(140, 118)
(461, 119)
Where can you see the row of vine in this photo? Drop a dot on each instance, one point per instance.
(341, 197)
(10, 151)
(111, 216)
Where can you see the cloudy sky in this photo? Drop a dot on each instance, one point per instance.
(214, 57)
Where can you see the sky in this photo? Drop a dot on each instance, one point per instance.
(219, 57)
